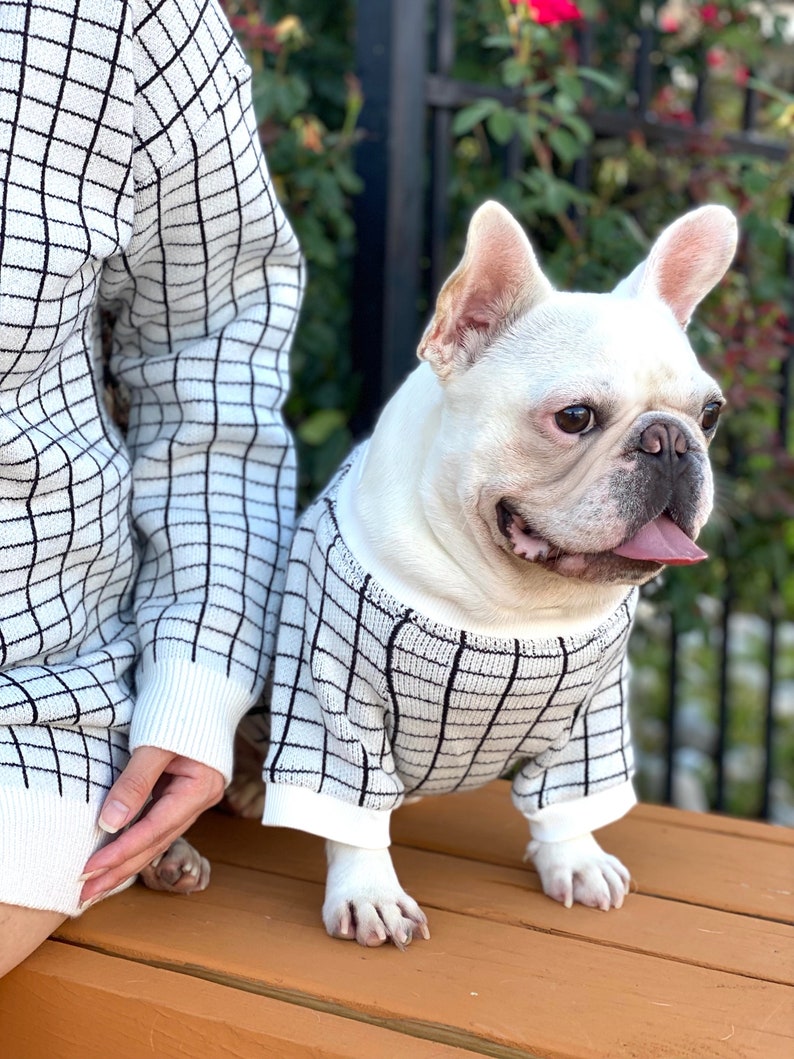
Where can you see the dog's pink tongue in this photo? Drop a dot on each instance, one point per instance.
(661, 541)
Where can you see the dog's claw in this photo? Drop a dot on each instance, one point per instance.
(579, 871)
(364, 899)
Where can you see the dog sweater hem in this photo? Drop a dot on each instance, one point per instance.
(571, 819)
(326, 816)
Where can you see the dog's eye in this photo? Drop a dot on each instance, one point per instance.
(710, 415)
(576, 419)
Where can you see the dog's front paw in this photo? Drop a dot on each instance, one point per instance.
(579, 870)
(181, 870)
(364, 900)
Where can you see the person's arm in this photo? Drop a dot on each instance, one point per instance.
(206, 299)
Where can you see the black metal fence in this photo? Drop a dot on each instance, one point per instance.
(405, 58)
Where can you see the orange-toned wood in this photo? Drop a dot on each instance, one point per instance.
(71, 1003)
(478, 984)
(699, 963)
(690, 933)
(751, 872)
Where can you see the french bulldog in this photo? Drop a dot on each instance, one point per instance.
(459, 600)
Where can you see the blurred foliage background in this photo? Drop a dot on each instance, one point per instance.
(715, 69)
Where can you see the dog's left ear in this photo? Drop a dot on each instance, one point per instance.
(689, 258)
(497, 280)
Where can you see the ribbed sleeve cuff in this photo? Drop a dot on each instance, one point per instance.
(319, 814)
(556, 823)
(45, 841)
(190, 710)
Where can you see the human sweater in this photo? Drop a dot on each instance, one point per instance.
(141, 576)
(373, 702)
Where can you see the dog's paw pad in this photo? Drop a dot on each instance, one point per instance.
(181, 869)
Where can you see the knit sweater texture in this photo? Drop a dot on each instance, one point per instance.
(141, 575)
(373, 702)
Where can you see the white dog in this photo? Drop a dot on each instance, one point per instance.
(458, 601)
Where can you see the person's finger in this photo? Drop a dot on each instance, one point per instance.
(181, 802)
(132, 789)
(148, 837)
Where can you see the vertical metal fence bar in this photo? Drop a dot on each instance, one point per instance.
(391, 64)
(441, 141)
(723, 696)
(672, 710)
(643, 71)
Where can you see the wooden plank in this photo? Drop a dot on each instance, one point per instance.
(72, 1003)
(749, 875)
(688, 933)
(726, 825)
(485, 986)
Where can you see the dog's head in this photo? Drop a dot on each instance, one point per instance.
(575, 427)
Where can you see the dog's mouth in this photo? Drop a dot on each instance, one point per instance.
(660, 542)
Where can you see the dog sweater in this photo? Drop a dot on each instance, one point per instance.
(140, 577)
(373, 702)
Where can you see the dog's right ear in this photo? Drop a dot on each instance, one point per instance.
(497, 280)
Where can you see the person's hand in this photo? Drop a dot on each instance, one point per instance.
(180, 790)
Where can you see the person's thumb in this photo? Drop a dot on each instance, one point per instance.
(132, 789)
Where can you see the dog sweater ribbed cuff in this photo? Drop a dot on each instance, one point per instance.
(320, 814)
(190, 710)
(579, 816)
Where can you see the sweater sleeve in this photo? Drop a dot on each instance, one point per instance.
(330, 768)
(206, 298)
(583, 781)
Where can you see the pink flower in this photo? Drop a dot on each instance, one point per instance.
(710, 14)
(716, 57)
(550, 12)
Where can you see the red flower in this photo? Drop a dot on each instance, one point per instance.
(710, 13)
(550, 12)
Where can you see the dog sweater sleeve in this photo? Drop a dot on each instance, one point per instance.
(584, 781)
(330, 769)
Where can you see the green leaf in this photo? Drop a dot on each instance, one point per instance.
(502, 125)
(565, 146)
(513, 72)
(598, 77)
(465, 119)
(569, 84)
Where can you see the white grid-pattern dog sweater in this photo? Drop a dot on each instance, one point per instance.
(372, 702)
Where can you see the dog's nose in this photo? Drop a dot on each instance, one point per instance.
(664, 439)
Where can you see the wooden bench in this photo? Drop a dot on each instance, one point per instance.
(699, 963)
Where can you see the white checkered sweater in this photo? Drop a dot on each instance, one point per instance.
(373, 702)
(140, 578)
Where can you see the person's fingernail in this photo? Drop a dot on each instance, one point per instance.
(114, 816)
(90, 875)
(91, 901)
